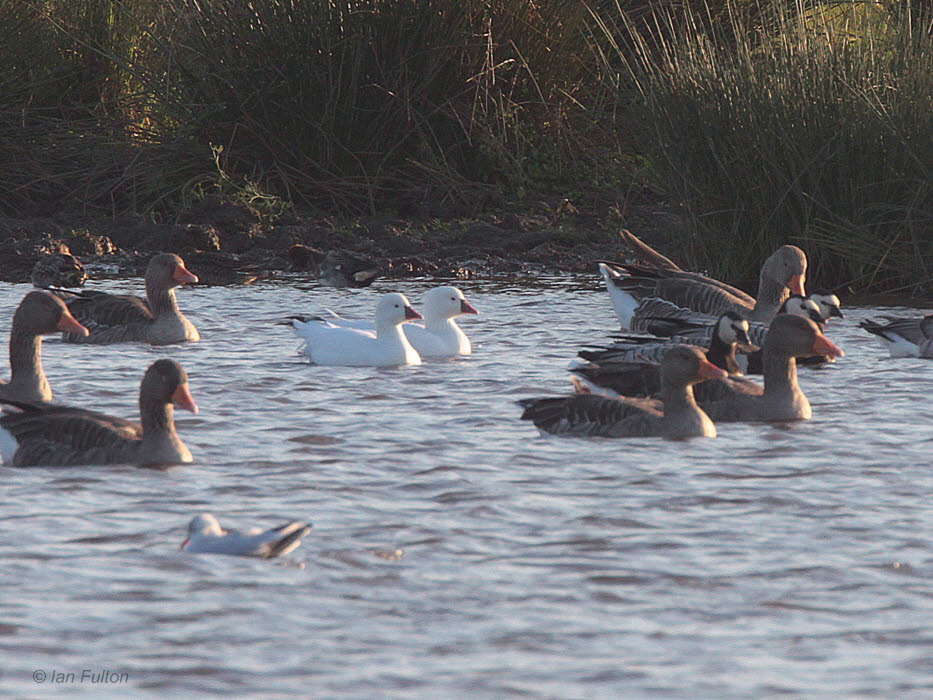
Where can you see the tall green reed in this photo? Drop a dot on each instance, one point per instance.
(808, 124)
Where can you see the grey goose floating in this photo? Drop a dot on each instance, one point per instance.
(124, 318)
(737, 398)
(588, 415)
(50, 435)
(782, 274)
(38, 314)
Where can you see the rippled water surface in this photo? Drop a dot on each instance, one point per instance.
(455, 551)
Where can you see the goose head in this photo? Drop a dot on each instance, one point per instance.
(167, 270)
(788, 267)
(802, 306)
(797, 336)
(394, 309)
(41, 313)
(165, 382)
(684, 365)
(732, 329)
(828, 304)
(446, 302)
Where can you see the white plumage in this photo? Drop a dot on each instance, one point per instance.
(327, 343)
(439, 336)
(205, 536)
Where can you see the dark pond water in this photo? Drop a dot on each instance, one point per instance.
(455, 551)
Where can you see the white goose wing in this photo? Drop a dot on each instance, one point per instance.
(328, 344)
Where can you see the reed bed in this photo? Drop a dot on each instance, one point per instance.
(803, 123)
(764, 122)
(346, 105)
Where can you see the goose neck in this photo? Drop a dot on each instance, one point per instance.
(161, 300)
(780, 373)
(26, 373)
(770, 297)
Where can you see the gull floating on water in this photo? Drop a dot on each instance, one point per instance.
(205, 536)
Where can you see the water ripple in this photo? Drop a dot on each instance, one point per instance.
(455, 551)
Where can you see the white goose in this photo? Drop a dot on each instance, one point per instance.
(329, 344)
(439, 336)
(205, 536)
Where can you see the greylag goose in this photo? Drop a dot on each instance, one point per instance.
(783, 273)
(123, 318)
(591, 415)
(329, 344)
(737, 398)
(903, 337)
(48, 435)
(205, 536)
(439, 336)
(58, 270)
(781, 398)
(38, 314)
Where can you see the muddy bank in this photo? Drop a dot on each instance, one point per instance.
(228, 242)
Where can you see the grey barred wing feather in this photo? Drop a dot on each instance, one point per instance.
(686, 289)
(587, 415)
(109, 309)
(725, 400)
(664, 318)
(105, 335)
(109, 318)
(61, 435)
(621, 377)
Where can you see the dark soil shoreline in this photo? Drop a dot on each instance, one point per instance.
(228, 242)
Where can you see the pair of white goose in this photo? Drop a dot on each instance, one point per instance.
(390, 340)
